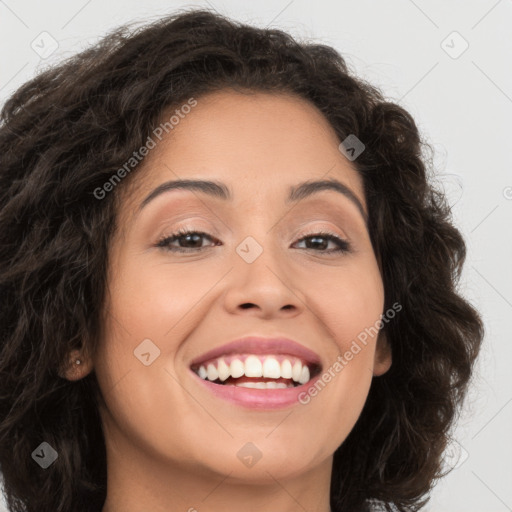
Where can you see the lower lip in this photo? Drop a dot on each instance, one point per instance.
(262, 399)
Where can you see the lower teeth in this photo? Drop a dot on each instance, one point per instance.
(262, 385)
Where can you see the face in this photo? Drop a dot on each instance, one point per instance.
(295, 278)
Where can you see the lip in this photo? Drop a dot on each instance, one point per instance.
(259, 346)
(259, 399)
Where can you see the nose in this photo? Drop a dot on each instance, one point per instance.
(264, 288)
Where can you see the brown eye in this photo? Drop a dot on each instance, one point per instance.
(319, 242)
(188, 241)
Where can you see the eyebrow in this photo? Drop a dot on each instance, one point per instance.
(219, 190)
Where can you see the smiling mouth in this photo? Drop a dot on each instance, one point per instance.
(257, 371)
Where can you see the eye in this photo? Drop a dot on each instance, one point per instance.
(192, 241)
(188, 241)
(319, 242)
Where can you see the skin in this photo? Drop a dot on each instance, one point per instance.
(171, 445)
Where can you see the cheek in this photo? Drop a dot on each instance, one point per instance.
(348, 304)
(153, 300)
(150, 310)
(348, 301)
(136, 373)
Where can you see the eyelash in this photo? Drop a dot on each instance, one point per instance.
(343, 245)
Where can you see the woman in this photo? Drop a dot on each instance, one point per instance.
(225, 280)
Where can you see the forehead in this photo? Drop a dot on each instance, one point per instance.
(258, 144)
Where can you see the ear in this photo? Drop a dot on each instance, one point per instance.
(383, 357)
(79, 365)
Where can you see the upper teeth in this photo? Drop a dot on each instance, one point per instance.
(255, 366)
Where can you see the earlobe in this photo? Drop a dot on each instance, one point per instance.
(77, 366)
(383, 356)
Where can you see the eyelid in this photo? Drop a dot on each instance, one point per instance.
(299, 233)
(312, 228)
(189, 224)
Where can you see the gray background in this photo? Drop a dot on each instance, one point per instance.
(462, 102)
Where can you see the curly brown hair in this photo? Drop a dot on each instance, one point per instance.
(64, 133)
